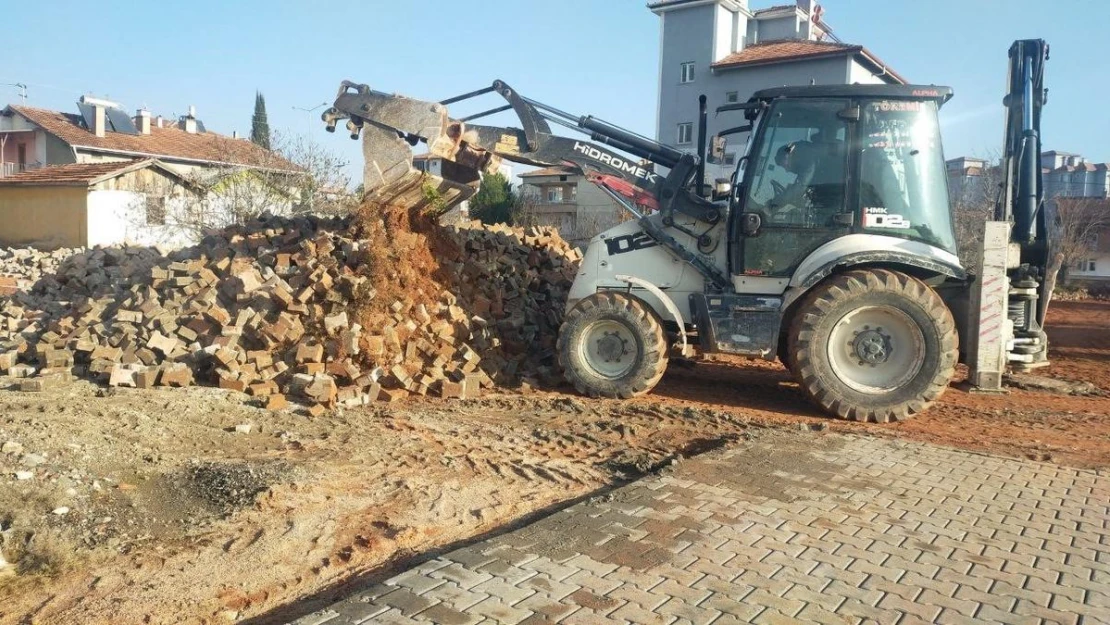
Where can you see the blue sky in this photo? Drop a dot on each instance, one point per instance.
(585, 56)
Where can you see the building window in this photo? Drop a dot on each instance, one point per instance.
(687, 72)
(730, 158)
(685, 133)
(1086, 265)
(155, 210)
(732, 97)
(554, 195)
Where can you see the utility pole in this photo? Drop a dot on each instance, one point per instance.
(22, 90)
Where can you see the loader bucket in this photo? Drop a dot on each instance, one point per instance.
(390, 125)
(390, 178)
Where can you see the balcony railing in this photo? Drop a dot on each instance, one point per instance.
(11, 169)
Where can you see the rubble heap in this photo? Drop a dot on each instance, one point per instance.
(289, 308)
(21, 267)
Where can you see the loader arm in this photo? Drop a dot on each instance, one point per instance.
(398, 120)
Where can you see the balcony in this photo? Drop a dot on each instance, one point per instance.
(11, 169)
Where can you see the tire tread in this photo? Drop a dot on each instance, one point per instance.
(655, 351)
(853, 284)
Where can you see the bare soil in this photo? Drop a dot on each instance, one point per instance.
(150, 507)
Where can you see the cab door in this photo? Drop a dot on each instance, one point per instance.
(795, 192)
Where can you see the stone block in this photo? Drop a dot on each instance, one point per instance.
(177, 375)
(147, 378)
(21, 371)
(122, 375)
(333, 324)
(276, 402)
(310, 353)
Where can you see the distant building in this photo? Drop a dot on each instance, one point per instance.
(563, 198)
(90, 204)
(728, 51)
(31, 138)
(1065, 175)
(104, 177)
(966, 182)
(434, 165)
(1070, 175)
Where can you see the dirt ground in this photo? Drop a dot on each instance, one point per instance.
(153, 507)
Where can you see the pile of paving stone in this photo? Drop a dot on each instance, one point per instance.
(21, 267)
(273, 309)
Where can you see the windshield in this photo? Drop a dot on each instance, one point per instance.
(903, 189)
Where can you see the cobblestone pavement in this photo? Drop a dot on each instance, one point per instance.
(787, 528)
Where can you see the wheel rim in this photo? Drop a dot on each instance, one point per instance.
(609, 348)
(876, 349)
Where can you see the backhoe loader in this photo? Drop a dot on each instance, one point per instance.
(831, 249)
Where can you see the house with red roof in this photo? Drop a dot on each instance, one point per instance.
(101, 176)
(728, 50)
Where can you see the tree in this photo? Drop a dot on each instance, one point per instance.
(493, 203)
(260, 128)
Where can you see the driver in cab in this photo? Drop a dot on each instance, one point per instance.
(799, 158)
(816, 193)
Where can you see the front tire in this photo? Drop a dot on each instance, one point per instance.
(873, 345)
(612, 345)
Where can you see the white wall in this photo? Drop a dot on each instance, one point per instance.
(1083, 271)
(119, 217)
(857, 73)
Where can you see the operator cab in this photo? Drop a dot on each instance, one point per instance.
(825, 162)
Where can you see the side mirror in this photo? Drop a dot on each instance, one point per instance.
(750, 224)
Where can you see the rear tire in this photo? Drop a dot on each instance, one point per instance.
(612, 345)
(873, 345)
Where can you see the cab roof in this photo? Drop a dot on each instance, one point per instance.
(887, 92)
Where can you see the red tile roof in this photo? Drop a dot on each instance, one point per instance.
(797, 49)
(558, 170)
(78, 174)
(73, 174)
(170, 143)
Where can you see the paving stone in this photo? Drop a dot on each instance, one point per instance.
(406, 601)
(502, 589)
(937, 535)
(499, 611)
(461, 575)
(443, 615)
(684, 610)
(634, 613)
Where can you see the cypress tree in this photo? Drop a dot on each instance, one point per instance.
(260, 128)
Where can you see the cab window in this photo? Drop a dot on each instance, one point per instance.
(798, 177)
